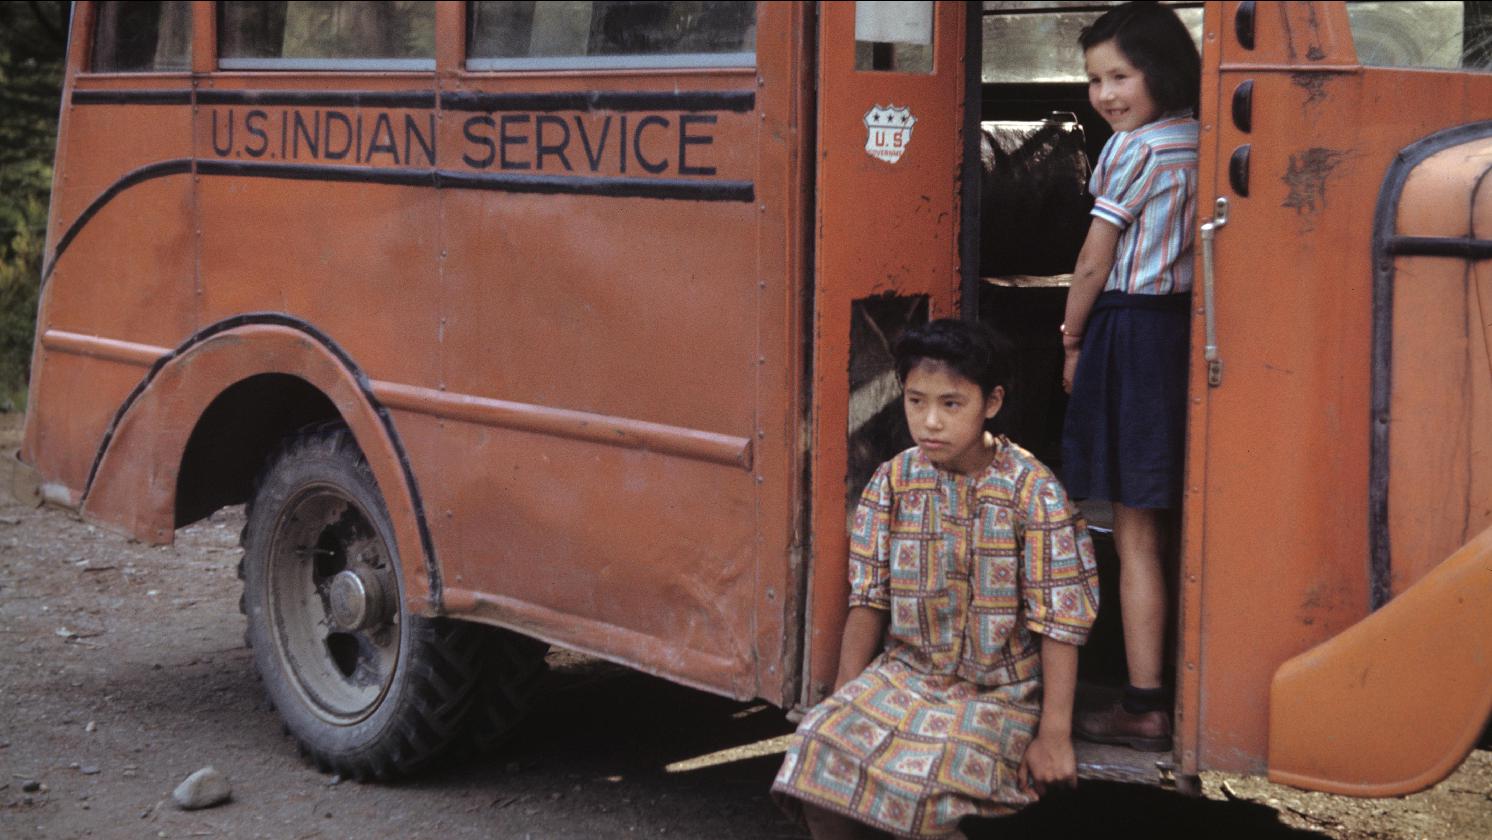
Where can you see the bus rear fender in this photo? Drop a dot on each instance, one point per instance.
(192, 435)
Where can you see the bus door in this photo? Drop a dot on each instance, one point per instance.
(1299, 142)
(1275, 505)
(891, 108)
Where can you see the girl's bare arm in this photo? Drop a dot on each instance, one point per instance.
(1095, 261)
(1049, 758)
(863, 632)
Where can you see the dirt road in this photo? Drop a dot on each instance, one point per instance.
(123, 669)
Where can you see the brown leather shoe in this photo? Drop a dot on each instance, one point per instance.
(1146, 731)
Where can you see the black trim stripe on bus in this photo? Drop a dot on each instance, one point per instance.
(132, 97)
(280, 319)
(737, 101)
(151, 171)
(664, 188)
(322, 98)
(1386, 245)
(668, 189)
(1463, 247)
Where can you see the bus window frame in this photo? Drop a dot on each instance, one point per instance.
(87, 16)
(328, 65)
(602, 64)
(584, 63)
(228, 64)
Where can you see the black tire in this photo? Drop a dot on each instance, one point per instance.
(366, 689)
(512, 666)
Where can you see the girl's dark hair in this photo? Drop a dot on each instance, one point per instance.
(975, 351)
(1156, 42)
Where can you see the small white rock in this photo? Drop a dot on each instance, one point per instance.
(203, 789)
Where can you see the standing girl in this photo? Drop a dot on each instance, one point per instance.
(1126, 332)
(972, 581)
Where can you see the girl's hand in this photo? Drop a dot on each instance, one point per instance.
(1049, 762)
(1069, 367)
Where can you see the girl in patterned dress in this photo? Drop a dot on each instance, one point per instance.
(1126, 332)
(972, 582)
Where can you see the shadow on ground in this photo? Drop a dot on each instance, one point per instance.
(1109, 809)
(598, 723)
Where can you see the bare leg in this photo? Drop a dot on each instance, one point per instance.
(827, 825)
(1139, 539)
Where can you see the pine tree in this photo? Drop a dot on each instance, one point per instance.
(33, 43)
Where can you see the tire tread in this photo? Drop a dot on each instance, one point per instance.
(457, 678)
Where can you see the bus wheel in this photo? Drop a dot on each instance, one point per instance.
(366, 689)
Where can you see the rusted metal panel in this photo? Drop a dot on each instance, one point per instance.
(577, 298)
(121, 204)
(885, 228)
(1281, 516)
(133, 485)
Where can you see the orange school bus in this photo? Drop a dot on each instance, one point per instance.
(524, 323)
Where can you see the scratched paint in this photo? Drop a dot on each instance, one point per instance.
(1306, 177)
(1314, 85)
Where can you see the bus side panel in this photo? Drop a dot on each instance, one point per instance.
(637, 556)
(357, 260)
(120, 267)
(640, 315)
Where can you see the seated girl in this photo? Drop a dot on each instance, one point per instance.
(972, 583)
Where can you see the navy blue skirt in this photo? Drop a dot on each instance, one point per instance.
(1124, 438)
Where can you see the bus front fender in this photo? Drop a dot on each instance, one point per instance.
(1394, 703)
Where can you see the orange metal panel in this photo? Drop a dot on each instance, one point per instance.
(626, 354)
(884, 229)
(107, 234)
(104, 142)
(1283, 514)
(135, 487)
(1440, 463)
(1388, 707)
(1283, 480)
(1215, 26)
(341, 257)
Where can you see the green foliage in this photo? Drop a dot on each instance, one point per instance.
(33, 39)
(20, 265)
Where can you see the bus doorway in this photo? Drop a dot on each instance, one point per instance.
(1038, 139)
(910, 95)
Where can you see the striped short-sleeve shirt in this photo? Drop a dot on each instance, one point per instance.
(1145, 184)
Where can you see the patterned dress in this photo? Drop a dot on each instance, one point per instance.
(972, 569)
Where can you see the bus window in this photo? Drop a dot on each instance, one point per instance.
(1039, 43)
(608, 34)
(326, 36)
(894, 36)
(143, 37)
(1436, 34)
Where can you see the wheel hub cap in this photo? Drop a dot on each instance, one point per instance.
(355, 601)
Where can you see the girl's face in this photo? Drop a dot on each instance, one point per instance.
(1116, 89)
(946, 414)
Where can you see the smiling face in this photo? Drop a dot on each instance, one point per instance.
(946, 414)
(1116, 89)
